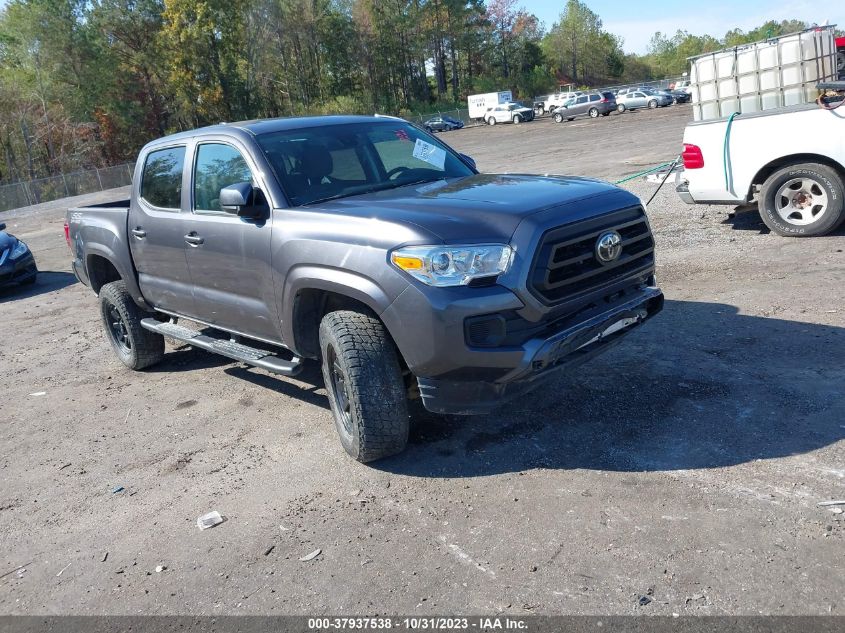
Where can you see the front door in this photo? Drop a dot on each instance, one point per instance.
(156, 232)
(229, 256)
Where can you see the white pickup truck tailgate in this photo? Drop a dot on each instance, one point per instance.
(756, 141)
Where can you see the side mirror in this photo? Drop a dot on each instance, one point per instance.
(2, 226)
(236, 197)
(468, 160)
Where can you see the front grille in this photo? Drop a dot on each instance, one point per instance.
(566, 265)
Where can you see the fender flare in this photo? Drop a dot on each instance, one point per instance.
(342, 282)
(128, 276)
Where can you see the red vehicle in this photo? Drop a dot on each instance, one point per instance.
(840, 57)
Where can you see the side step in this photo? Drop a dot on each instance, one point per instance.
(230, 349)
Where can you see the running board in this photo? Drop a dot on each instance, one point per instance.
(230, 349)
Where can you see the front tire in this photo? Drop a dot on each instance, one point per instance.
(364, 384)
(558, 118)
(517, 119)
(803, 200)
(136, 347)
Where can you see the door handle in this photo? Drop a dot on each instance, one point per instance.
(139, 233)
(193, 239)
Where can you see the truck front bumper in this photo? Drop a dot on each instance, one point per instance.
(542, 359)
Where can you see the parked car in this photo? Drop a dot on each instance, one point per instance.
(17, 265)
(789, 159)
(683, 85)
(592, 104)
(509, 113)
(680, 96)
(442, 124)
(642, 99)
(558, 99)
(368, 245)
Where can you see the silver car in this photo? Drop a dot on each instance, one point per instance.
(642, 99)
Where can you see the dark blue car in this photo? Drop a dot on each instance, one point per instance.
(17, 265)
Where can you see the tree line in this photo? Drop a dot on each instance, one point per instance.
(85, 83)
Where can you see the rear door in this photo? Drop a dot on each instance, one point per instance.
(156, 231)
(229, 256)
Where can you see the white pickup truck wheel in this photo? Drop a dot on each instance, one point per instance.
(802, 200)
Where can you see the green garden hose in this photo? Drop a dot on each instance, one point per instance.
(726, 154)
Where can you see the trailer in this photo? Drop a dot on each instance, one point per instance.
(480, 104)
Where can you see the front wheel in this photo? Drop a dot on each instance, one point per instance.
(517, 119)
(365, 385)
(136, 347)
(558, 118)
(594, 113)
(802, 200)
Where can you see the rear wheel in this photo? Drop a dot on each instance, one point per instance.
(136, 347)
(364, 382)
(652, 104)
(594, 113)
(802, 200)
(517, 119)
(428, 129)
(620, 108)
(491, 121)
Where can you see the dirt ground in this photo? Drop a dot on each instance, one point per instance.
(679, 473)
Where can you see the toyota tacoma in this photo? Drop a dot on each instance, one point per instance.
(370, 246)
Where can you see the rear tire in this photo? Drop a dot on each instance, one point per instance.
(594, 113)
(364, 384)
(491, 121)
(652, 104)
(620, 108)
(802, 200)
(517, 119)
(136, 347)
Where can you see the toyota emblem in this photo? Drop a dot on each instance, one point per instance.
(608, 247)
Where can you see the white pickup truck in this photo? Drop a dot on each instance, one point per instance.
(791, 160)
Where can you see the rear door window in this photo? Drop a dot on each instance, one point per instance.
(161, 182)
(595, 98)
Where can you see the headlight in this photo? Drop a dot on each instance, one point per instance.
(452, 265)
(18, 249)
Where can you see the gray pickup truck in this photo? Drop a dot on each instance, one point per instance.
(370, 246)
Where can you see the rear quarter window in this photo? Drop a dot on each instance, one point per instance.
(161, 182)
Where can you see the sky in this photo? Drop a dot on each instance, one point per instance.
(637, 20)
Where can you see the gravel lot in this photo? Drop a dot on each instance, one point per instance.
(685, 466)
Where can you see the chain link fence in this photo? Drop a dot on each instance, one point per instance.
(24, 194)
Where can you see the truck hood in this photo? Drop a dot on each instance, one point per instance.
(476, 208)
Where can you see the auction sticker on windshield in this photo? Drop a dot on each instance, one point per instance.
(429, 153)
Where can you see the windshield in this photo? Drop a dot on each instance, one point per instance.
(335, 161)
